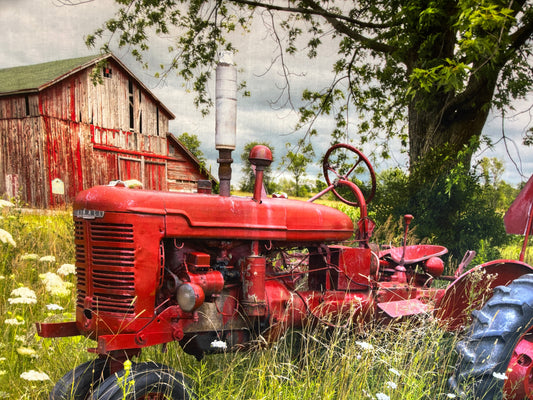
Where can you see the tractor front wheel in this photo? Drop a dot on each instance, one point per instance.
(79, 382)
(496, 358)
(147, 380)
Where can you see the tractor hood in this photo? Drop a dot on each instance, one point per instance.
(208, 216)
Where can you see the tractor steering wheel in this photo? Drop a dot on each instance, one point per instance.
(336, 162)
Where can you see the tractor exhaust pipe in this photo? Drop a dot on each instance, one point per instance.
(226, 119)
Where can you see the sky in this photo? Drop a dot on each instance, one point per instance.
(35, 31)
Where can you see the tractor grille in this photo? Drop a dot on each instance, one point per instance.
(108, 263)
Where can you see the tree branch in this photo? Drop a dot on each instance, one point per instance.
(520, 37)
(334, 20)
(315, 11)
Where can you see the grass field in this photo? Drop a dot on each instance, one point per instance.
(408, 360)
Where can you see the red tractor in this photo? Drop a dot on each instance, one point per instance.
(215, 272)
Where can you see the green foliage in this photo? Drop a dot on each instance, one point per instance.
(296, 163)
(455, 211)
(248, 180)
(193, 144)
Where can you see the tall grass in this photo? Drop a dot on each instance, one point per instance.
(406, 360)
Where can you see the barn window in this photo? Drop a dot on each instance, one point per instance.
(140, 113)
(157, 121)
(107, 72)
(27, 104)
(130, 91)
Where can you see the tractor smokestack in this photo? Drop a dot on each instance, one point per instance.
(226, 119)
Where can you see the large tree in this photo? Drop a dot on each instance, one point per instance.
(428, 71)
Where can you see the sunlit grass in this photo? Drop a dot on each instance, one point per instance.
(406, 360)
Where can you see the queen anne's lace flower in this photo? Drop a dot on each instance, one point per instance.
(26, 351)
(365, 345)
(54, 307)
(66, 269)
(50, 259)
(394, 371)
(22, 300)
(500, 376)
(5, 203)
(219, 344)
(33, 375)
(13, 321)
(22, 295)
(5, 237)
(55, 285)
(29, 257)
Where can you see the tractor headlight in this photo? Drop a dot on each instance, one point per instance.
(190, 296)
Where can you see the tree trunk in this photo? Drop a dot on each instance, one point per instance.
(444, 131)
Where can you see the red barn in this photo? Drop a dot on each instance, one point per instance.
(60, 133)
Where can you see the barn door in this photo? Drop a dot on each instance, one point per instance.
(155, 175)
(130, 168)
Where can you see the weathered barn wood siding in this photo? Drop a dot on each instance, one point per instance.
(182, 175)
(87, 135)
(22, 162)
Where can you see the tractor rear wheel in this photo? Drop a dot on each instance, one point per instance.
(497, 355)
(148, 380)
(79, 382)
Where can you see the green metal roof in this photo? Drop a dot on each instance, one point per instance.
(32, 77)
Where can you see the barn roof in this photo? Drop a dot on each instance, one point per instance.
(34, 78)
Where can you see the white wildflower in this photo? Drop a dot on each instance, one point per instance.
(22, 300)
(33, 375)
(219, 344)
(498, 375)
(54, 307)
(365, 345)
(5, 237)
(395, 371)
(451, 396)
(50, 259)
(26, 351)
(382, 396)
(2, 277)
(66, 269)
(392, 385)
(23, 292)
(22, 295)
(55, 285)
(13, 321)
(5, 203)
(29, 257)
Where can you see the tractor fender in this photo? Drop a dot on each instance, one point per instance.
(472, 289)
